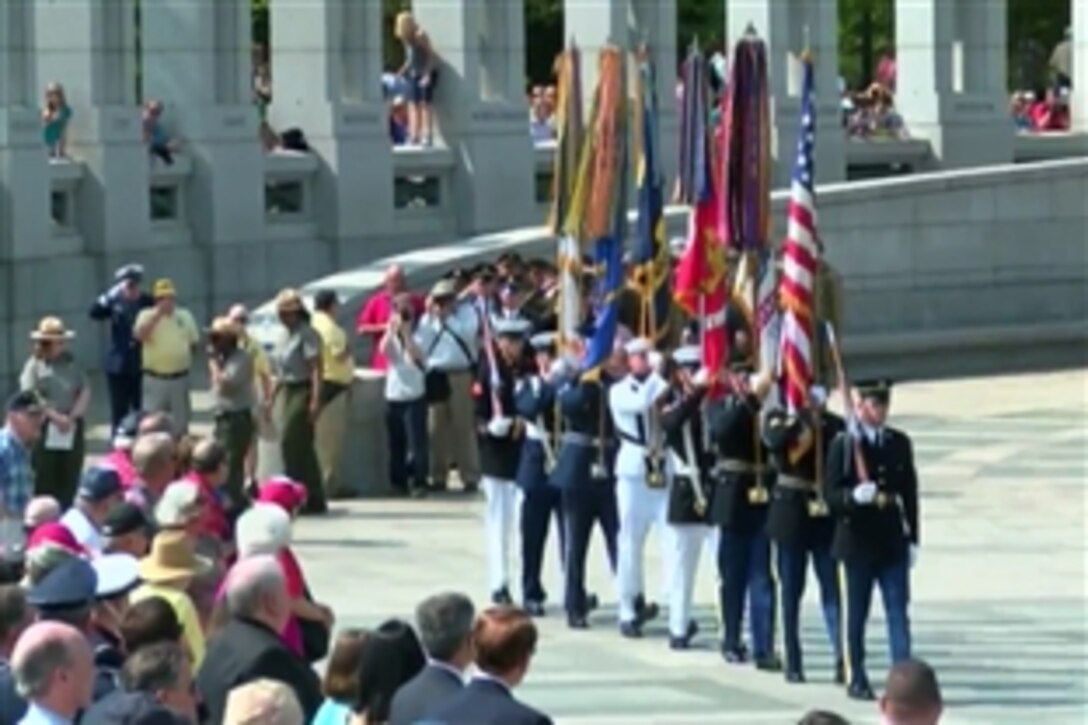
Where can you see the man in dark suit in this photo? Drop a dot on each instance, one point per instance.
(249, 647)
(505, 639)
(445, 624)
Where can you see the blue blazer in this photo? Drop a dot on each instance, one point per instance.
(581, 406)
(533, 405)
(485, 702)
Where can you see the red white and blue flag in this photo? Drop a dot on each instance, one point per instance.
(800, 258)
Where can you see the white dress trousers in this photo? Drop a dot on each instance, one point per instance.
(640, 508)
(686, 542)
(500, 523)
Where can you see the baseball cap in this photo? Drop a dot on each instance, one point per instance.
(98, 484)
(56, 533)
(125, 518)
(25, 401)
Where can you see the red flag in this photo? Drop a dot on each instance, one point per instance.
(700, 281)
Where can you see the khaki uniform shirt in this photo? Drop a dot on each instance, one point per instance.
(58, 381)
(295, 353)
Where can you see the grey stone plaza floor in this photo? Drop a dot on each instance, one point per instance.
(1000, 604)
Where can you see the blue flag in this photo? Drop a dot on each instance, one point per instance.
(651, 253)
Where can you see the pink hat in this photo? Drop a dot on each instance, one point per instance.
(286, 493)
(53, 532)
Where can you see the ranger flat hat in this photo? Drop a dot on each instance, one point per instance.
(878, 389)
(512, 327)
(688, 356)
(51, 328)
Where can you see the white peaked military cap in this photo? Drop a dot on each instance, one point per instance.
(512, 327)
(818, 394)
(544, 340)
(117, 574)
(688, 355)
(638, 346)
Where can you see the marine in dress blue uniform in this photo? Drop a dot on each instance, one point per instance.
(800, 525)
(643, 476)
(876, 526)
(119, 305)
(743, 481)
(536, 404)
(583, 476)
(691, 490)
(500, 433)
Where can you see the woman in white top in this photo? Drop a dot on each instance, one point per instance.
(406, 405)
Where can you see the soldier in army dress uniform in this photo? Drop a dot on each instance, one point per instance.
(799, 522)
(872, 489)
(692, 487)
(743, 482)
(540, 503)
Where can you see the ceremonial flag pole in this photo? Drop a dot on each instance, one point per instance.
(568, 148)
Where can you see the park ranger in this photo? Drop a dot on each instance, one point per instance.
(799, 521)
(689, 495)
(872, 489)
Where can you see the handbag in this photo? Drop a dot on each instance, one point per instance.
(315, 635)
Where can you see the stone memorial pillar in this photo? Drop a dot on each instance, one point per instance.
(89, 46)
(197, 61)
(787, 27)
(24, 181)
(951, 78)
(1080, 66)
(594, 24)
(481, 113)
(326, 80)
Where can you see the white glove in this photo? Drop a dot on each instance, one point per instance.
(656, 360)
(913, 555)
(864, 493)
(499, 427)
(558, 370)
(701, 378)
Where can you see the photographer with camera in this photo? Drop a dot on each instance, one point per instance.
(406, 403)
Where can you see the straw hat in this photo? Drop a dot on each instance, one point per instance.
(172, 559)
(289, 300)
(51, 328)
(223, 326)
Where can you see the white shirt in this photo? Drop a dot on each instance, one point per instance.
(403, 377)
(628, 400)
(447, 354)
(83, 529)
(38, 715)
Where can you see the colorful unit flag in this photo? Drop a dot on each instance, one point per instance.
(651, 251)
(800, 258)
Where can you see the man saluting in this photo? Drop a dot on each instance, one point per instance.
(872, 489)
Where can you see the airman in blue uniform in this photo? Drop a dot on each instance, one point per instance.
(536, 404)
(119, 305)
(584, 475)
(799, 522)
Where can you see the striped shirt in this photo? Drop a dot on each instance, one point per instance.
(16, 474)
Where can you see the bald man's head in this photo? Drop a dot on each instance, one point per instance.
(394, 278)
(53, 666)
(256, 589)
(912, 695)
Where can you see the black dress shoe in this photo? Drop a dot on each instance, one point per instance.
(860, 692)
(592, 602)
(795, 677)
(840, 673)
(735, 655)
(502, 596)
(577, 621)
(631, 630)
(645, 611)
(534, 608)
(472, 487)
(684, 642)
(769, 663)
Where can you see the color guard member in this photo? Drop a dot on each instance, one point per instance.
(872, 489)
(500, 433)
(689, 495)
(642, 478)
(739, 508)
(799, 522)
(540, 502)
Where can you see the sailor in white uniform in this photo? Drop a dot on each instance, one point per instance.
(642, 478)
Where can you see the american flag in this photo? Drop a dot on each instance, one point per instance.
(800, 255)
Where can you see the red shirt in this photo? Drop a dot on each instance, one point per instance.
(213, 515)
(376, 311)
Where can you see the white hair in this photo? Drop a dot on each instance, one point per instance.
(179, 503)
(250, 581)
(263, 529)
(263, 702)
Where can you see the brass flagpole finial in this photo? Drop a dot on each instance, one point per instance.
(806, 52)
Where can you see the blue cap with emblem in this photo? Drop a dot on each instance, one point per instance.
(72, 583)
(689, 356)
(512, 327)
(99, 484)
(118, 574)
